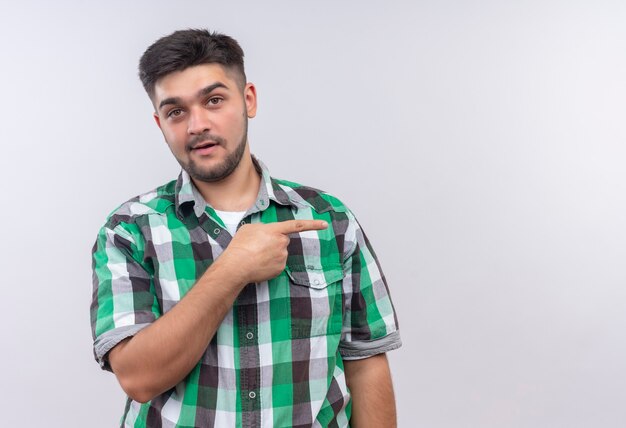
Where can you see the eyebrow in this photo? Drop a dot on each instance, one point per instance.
(202, 92)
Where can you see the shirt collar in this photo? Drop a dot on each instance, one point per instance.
(188, 196)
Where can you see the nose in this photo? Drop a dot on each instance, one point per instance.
(199, 121)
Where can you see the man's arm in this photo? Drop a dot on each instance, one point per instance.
(162, 354)
(373, 403)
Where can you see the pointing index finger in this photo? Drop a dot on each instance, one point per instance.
(293, 226)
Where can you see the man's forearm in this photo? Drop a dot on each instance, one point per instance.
(162, 354)
(373, 402)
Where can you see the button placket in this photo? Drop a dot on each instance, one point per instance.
(250, 376)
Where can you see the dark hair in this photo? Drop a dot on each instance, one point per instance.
(186, 48)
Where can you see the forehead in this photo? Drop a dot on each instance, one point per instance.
(187, 83)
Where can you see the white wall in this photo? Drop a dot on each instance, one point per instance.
(481, 144)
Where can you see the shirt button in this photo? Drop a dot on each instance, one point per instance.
(316, 282)
(249, 335)
(252, 394)
(216, 231)
(242, 222)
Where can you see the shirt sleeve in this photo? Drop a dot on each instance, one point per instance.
(124, 301)
(370, 324)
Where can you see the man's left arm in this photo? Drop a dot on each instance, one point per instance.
(373, 403)
(370, 329)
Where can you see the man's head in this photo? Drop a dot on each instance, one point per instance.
(185, 48)
(202, 102)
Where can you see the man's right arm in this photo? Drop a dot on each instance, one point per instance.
(162, 354)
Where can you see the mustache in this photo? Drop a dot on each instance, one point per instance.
(204, 137)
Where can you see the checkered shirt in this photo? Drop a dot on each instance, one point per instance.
(277, 358)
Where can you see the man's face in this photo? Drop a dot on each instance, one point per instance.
(203, 114)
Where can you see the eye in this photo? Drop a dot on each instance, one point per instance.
(175, 112)
(213, 101)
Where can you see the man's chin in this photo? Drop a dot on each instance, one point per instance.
(212, 175)
(216, 172)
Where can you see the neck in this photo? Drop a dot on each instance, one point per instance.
(237, 192)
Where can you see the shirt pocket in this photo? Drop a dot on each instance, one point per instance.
(315, 299)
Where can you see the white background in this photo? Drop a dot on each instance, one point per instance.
(481, 144)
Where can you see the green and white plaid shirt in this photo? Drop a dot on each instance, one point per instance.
(277, 357)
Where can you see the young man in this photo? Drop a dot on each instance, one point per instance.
(229, 298)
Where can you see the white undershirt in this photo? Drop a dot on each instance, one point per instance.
(231, 219)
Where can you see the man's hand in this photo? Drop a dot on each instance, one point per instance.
(258, 252)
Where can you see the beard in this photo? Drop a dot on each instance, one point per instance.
(218, 172)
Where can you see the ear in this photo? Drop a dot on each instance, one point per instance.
(157, 119)
(249, 94)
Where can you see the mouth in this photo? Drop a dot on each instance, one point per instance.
(204, 145)
(204, 148)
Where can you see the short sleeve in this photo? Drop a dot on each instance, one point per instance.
(370, 324)
(123, 301)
